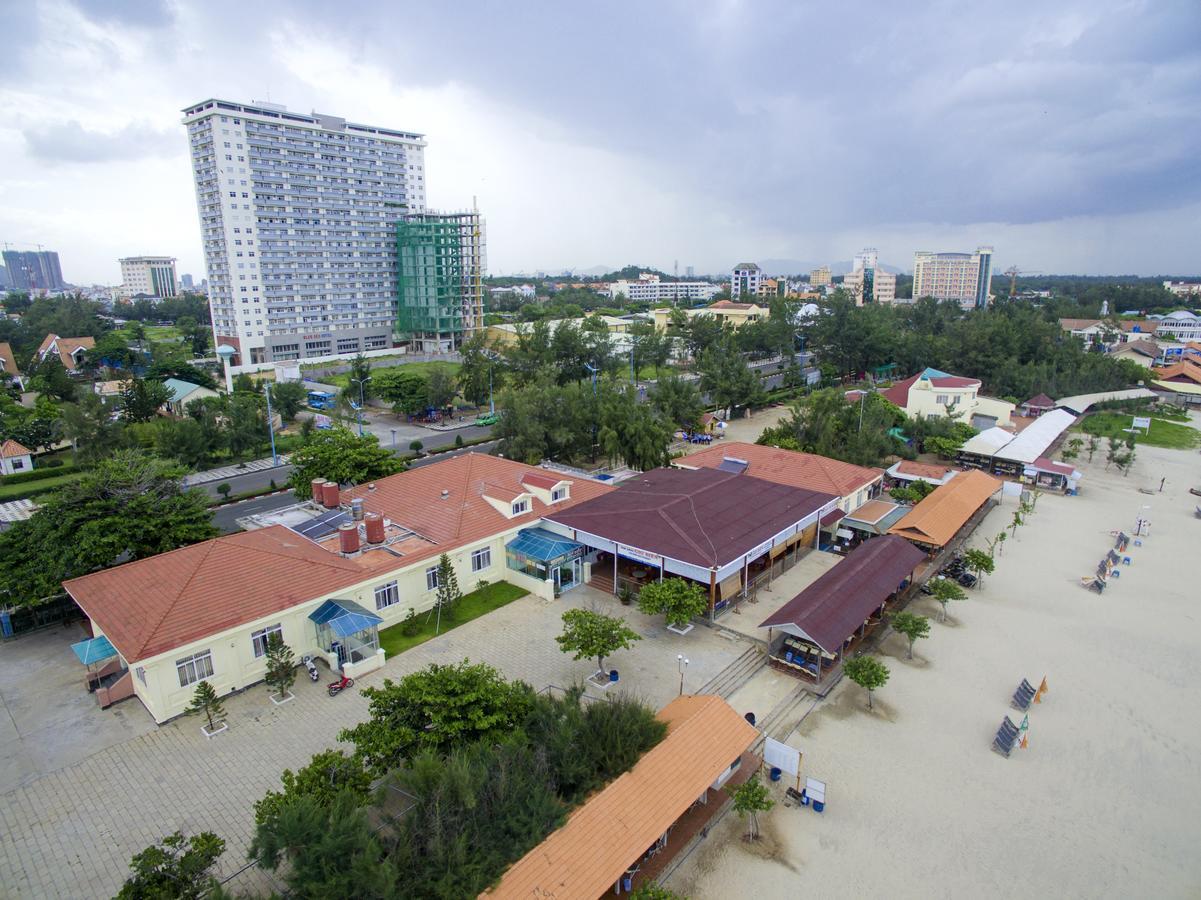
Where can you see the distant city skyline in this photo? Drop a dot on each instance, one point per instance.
(1050, 133)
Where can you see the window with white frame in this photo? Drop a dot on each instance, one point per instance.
(387, 595)
(261, 639)
(431, 578)
(521, 506)
(194, 668)
(943, 399)
(481, 559)
(559, 493)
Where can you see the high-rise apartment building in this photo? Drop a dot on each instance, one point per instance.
(440, 269)
(297, 215)
(963, 277)
(185, 282)
(745, 280)
(867, 282)
(33, 270)
(152, 276)
(820, 277)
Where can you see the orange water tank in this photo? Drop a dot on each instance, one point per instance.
(348, 537)
(375, 528)
(315, 486)
(329, 495)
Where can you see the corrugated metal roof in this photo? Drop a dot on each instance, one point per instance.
(936, 519)
(612, 830)
(703, 517)
(832, 607)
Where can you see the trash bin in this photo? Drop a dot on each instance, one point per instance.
(750, 717)
(612, 675)
(804, 798)
(627, 883)
(775, 773)
(819, 805)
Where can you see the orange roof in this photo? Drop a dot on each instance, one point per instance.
(730, 304)
(150, 606)
(1078, 324)
(935, 520)
(11, 448)
(538, 480)
(801, 470)
(601, 839)
(8, 362)
(873, 511)
(414, 499)
(1185, 371)
(922, 470)
(65, 348)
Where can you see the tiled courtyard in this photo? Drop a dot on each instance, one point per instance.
(85, 789)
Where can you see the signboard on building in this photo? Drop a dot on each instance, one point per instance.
(641, 555)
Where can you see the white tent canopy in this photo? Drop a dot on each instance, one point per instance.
(1034, 440)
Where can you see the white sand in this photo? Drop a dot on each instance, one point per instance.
(1107, 799)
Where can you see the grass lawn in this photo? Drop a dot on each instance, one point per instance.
(472, 606)
(39, 486)
(154, 333)
(1163, 433)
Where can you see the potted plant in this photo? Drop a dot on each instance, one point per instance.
(625, 595)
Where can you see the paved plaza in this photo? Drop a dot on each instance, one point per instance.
(84, 789)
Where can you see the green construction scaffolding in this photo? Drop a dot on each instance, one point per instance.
(436, 276)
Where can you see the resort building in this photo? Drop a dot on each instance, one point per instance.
(1145, 353)
(297, 216)
(1036, 406)
(965, 278)
(148, 276)
(935, 521)
(8, 362)
(627, 834)
(1003, 453)
(867, 282)
(70, 351)
(1183, 288)
(15, 458)
(649, 289)
(325, 584)
(719, 528)
(181, 393)
(932, 394)
(725, 311)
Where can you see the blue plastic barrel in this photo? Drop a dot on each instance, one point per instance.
(775, 773)
(612, 675)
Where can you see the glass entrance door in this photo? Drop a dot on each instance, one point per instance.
(568, 575)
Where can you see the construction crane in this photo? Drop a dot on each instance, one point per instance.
(1013, 272)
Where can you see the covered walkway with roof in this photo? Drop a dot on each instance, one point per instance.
(811, 634)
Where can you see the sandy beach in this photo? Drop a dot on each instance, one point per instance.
(1104, 802)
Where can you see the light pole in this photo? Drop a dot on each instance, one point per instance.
(225, 352)
(491, 357)
(360, 382)
(393, 440)
(270, 424)
(681, 664)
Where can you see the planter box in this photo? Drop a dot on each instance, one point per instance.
(676, 630)
(288, 698)
(204, 729)
(599, 679)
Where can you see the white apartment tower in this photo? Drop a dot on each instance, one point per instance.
(867, 282)
(297, 215)
(153, 276)
(965, 278)
(745, 280)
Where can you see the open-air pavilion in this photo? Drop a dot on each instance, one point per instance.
(625, 835)
(935, 521)
(810, 635)
(724, 530)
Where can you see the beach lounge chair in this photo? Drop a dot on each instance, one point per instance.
(1023, 696)
(1098, 585)
(1007, 737)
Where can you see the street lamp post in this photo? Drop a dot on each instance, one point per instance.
(491, 357)
(360, 382)
(270, 424)
(681, 664)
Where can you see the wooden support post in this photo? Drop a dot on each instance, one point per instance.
(615, 571)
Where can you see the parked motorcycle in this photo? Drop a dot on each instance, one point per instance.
(311, 665)
(337, 687)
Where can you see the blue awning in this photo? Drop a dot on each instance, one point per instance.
(94, 650)
(344, 617)
(544, 546)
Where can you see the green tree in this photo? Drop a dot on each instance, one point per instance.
(36, 428)
(652, 891)
(129, 506)
(448, 594)
(751, 798)
(288, 398)
(944, 590)
(360, 371)
(727, 380)
(195, 334)
(281, 665)
(182, 439)
(440, 387)
(912, 626)
(176, 868)
(677, 401)
(327, 775)
(141, 399)
(243, 384)
(340, 455)
(588, 633)
(478, 361)
(88, 424)
(330, 851)
(631, 431)
(1093, 443)
(867, 672)
(206, 702)
(677, 599)
(50, 378)
(436, 709)
(980, 562)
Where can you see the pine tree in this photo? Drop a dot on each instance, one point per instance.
(205, 700)
(281, 665)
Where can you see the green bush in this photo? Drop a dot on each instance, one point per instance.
(53, 468)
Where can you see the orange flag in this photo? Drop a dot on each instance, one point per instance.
(1042, 688)
(1025, 744)
(1038, 696)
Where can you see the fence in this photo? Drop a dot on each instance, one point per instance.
(20, 620)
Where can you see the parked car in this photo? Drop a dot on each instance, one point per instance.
(487, 419)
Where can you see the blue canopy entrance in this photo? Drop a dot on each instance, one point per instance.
(545, 546)
(346, 629)
(94, 650)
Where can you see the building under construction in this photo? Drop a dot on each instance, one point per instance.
(440, 271)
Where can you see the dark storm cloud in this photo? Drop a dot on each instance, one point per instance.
(70, 142)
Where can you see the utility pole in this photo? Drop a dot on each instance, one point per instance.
(270, 424)
(361, 381)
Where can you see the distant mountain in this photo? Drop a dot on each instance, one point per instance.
(595, 270)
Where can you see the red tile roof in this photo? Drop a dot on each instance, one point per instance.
(11, 448)
(613, 829)
(153, 605)
(1040, 401)
(8, 362)
(800, 470)
(730, 304)
(1181, 371)
(538, 480)
(704, 517)
(832, 607)
(65, 347)
(922, 470)
(899, 392)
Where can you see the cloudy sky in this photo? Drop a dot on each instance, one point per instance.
(1065, 134)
